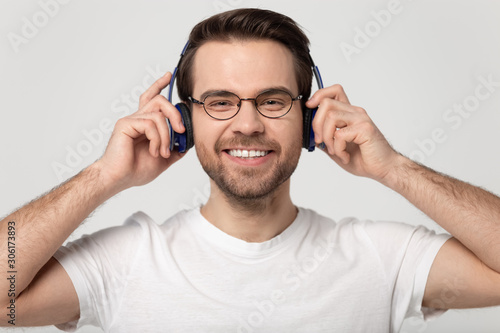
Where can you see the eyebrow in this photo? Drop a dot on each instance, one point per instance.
(211, 91)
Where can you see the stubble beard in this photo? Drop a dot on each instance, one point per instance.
(249, 188)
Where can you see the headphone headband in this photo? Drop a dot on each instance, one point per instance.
(174, 74)
(316, 73)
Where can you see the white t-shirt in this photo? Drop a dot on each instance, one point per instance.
(187, 275)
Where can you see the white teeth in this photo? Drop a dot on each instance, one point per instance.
(247, 153)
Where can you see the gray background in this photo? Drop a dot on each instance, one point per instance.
(85, 63)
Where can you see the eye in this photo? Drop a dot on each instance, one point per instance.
(271, 102)
(220, 105)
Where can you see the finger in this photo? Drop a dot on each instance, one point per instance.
(338, 113)
(335, 92)
(160, 104)
(134, 128)
(358, 134)
(163, 131)
(155, 89)
(340, 144)
(334, 121)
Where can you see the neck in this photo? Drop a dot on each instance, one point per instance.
(252, 220)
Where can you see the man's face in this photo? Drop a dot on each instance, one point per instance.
(273, 146)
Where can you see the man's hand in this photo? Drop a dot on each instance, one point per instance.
(470, 214)
(138, 150)
(351, 138)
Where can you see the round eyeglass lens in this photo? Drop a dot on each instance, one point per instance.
(274, 103)
(222, 105)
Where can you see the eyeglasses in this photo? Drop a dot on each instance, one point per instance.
(223, 105)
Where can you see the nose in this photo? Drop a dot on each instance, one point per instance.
(248, 121)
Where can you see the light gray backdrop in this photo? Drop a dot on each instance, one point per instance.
(70, 69)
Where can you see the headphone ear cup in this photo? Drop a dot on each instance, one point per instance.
(308, 133)
(184, 141)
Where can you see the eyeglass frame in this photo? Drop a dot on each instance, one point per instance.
(193, 100)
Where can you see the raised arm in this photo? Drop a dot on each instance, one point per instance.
(465, 273)
(34, 289)
(472, 216)
(31, 235)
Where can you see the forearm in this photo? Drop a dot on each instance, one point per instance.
(469, 213)
(41, 227)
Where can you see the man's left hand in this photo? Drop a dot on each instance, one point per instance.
(350, 137)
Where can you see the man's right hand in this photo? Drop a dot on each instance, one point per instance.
(136, 154)
(138, 150)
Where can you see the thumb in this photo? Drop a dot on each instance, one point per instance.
(313, 101)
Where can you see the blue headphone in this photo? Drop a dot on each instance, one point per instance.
(184, 141)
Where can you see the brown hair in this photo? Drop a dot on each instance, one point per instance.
(248, 24)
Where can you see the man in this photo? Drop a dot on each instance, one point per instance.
(249, 259)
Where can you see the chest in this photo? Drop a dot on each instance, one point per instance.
(320, 290)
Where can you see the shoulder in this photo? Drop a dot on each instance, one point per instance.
(135, 230)
(140, 221)
(353, 229)
(142, 225)
(351, 222)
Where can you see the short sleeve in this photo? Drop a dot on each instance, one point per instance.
(406, 253)
(98, 265)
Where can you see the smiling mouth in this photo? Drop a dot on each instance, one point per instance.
(243, 153)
